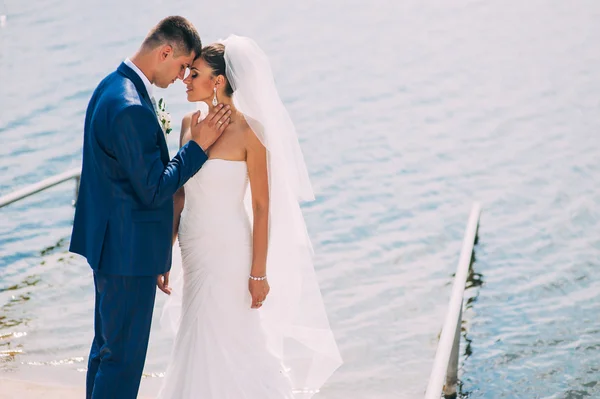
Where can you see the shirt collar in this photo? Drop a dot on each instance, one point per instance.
(137, 70)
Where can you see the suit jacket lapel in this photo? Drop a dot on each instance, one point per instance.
(141, 88)
(137, 81)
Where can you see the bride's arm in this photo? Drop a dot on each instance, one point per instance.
(256, 158)
(179, 197)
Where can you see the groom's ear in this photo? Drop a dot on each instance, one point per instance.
(165, 51)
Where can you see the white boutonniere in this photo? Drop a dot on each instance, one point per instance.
(163, 116)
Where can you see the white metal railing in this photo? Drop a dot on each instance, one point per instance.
(444, 375)
(43, 185)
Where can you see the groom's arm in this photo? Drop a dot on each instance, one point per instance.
(134, 143)
(179, 197)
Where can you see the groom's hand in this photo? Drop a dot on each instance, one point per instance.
(163, 283)
(206, 132)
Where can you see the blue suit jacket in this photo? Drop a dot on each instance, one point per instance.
(124, 217)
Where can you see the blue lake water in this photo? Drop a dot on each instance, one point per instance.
(407, 112)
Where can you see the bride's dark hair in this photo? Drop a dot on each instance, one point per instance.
(214, 56)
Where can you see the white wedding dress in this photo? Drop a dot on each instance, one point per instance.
(220, 349)
(224, 349)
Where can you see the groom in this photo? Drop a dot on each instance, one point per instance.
(124, 217)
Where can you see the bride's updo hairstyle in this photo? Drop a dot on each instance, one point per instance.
(214, 56)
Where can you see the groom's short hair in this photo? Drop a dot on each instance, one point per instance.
(176, 31)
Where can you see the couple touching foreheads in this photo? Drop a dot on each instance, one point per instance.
(248, 314)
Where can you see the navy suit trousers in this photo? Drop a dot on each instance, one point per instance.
(122, 321)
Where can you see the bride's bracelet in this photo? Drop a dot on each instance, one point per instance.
(257, 278)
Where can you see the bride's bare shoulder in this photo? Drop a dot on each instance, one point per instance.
(186, 122)
(252, 126)
(253, 133)
(185, 135)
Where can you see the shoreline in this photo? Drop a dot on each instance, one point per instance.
(15, 388)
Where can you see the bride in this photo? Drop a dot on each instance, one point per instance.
(248, 314)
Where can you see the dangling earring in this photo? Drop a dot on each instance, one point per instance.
(215, 102)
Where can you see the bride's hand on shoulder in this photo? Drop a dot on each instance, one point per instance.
(259, 289)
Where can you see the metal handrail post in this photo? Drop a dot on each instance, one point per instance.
(452, 323)
(77, 183)
(452, 373)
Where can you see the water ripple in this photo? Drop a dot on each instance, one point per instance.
(406, 113)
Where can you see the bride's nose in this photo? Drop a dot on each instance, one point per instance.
(187, 79)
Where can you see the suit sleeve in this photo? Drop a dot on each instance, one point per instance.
(134, 143)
